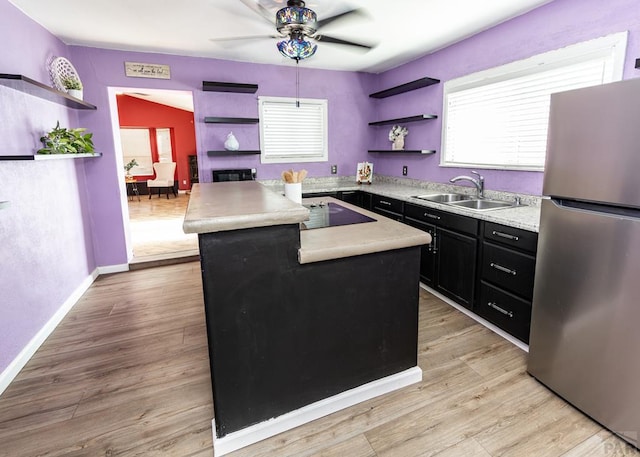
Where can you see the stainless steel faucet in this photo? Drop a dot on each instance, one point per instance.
(479, 183)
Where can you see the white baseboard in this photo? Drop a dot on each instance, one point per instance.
(27, 352)
(253, 434)
(478, 319)
(113, 269)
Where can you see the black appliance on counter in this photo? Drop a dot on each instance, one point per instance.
(330, 215)
(238, 174)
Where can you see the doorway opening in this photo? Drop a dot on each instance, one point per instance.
(157, 133)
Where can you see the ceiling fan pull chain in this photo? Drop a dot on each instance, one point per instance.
(297, 84)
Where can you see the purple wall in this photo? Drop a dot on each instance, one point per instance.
(46, 246)
(99, 69)
(557, 24)
(65, 216)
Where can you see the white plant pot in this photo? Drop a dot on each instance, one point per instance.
(77, 93)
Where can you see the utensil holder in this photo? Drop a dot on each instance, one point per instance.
(293, 191)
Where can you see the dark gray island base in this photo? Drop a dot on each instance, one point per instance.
(290, 342)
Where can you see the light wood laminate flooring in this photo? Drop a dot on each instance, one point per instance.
(126, 374)
(156, 228)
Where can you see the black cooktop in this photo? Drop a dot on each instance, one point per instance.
(331, 215)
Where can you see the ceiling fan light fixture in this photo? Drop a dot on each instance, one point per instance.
(297, 48)
(295, 16)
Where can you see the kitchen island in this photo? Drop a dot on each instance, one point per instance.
(300, 323)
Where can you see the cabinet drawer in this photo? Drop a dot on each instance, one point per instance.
(508, 269)
(388, 204)
(444, 219)
(510, 313)
(510, 236)
(390, 214)
(320, 194)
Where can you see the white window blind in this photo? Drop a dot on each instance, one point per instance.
(499, 118)
(291, 133)
(136, 144)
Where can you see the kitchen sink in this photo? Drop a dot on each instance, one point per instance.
(483, 205)
(444, 198)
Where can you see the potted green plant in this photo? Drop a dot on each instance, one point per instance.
(61, 140)
(73, 86)
(127, 168)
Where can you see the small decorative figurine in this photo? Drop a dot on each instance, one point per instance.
(396, 136)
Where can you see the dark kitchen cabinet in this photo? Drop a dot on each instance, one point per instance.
(456, 266)
(320, 194)
(388, 207)
(506, 275)
(448, 264)
(355, 197)
(427, 252)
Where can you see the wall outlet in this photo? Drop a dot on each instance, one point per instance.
(334, 169)
(405, 170)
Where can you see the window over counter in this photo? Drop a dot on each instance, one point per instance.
(292, 133)
(498, 118)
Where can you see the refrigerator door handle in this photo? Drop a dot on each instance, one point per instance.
(503, 269)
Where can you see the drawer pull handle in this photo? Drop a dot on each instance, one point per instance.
(503, 269)
(382, 202)
(432, 216)
(501, 310)
(505, 235)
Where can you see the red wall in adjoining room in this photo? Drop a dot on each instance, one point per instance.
(135, 112)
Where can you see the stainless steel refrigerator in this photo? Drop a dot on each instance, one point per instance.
(585, 324)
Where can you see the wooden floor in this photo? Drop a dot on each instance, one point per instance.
(126, 374)
(156, 228)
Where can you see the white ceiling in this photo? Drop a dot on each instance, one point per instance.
(402, 29)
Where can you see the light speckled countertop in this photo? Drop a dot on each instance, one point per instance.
(523, 217)
(222, 206)
(216, 207)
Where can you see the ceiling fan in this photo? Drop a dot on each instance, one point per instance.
(296, 25)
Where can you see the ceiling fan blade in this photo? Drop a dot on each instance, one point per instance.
(323, 22)
(260, 10)
(329, 39)
(240, 38)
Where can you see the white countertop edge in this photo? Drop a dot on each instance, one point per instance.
(240, 222)
(331, 253)
(226, 206)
